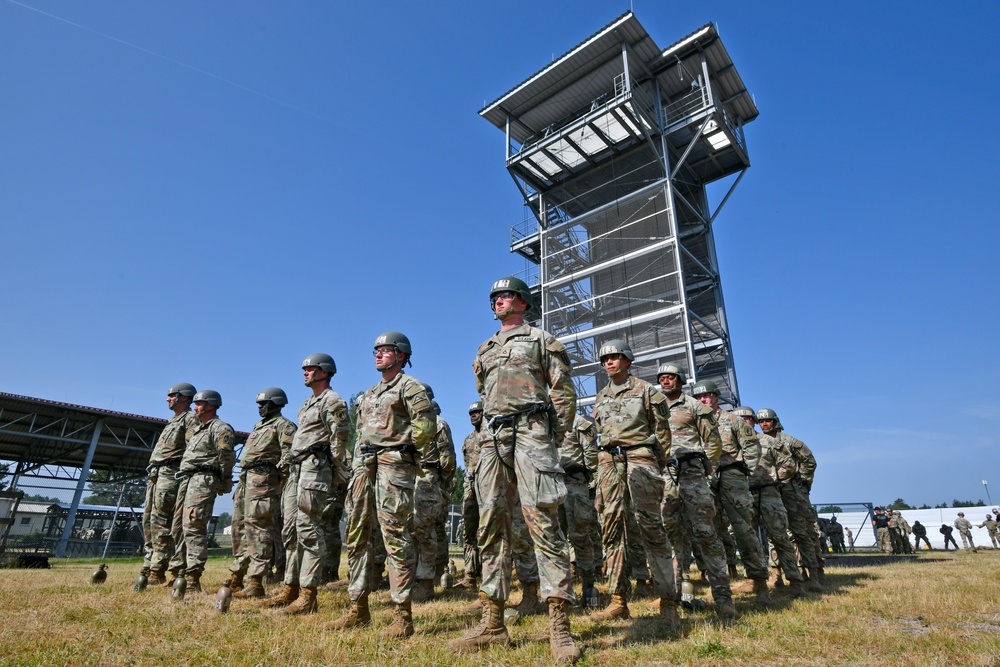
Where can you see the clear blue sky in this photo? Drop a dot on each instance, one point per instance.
(208, 192)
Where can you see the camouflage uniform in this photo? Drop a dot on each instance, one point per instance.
(449, 465)
(395, 432)
(795, 496)
(318, 452)
(803, 483)
(991, 529)
(207, 469)
(333, 514)
(470, 505)
(634, 424)
(161, 515)
(774, 467)
(740, 451)
(578, 457)
(965, 531)
(529, 401)
(695, 447)
(428, 501)
(258, 495)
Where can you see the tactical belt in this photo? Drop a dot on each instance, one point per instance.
(757, 487)
(167, 462)
(260, 464)
(676, 462)
(184, 474)
(431, 466)
(577, 469)
(369, 450)
(735, 464)
(511, 419)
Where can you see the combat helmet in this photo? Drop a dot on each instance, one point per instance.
(210, 396)
(671, 369)
(324, 361)
(511, 284)
(428, 390)
(476, 407)
(437, 408)
(616, 346)
(767, 413)
(183, 388)
(396, 339)
(704, 387)
(274, 395)
(745, 411)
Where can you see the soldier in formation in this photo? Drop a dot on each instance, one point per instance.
(470, 504)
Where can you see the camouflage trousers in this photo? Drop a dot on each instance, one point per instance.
(315, 477)
(427, 507)
(443, 532)
(199, 501)
(771, 513)
(883, 540)
(993, 538)
(470, 518)
(800, 522)
(161, 518)
(967, 542)
(289, 510)
(631, 483)
(578, 518)
(381, 490)
(236, 527)
(257, 501)
(733, 499)
(500, 477)
(686, 490)
(333, 514)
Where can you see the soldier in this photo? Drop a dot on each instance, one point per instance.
(947, 531)
(161, 518)
(895, 533)
(523, 376)
(695, 449)
(395, 433)
(635, 437)
(449, 465)
(773, 469)
(802, 517)
(836, 532)
(740, 451)
(991, 528)
(317, 454)
(880, 522)
(205, 472)
(920, 533)
(578, 457)
(428, 505)
(258, 492)
(470, 505)
(904, 531)
(965, 531)
(333, 514)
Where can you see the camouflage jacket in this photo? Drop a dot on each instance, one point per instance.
(444, 452)
(397, 413)
(269, 440)
(212, 445)
(963, 525)
(634, 414)
(775, 464)
(578, 454)
(739, 441)
(903, 524)
(803, 456)
(470, 452)
(990, 525)
(175, 437)
(324, 425)
(521, 368)
(693, 429)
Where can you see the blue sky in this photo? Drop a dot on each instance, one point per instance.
(208, 192)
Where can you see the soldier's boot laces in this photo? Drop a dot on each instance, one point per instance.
(761, 594)
(156, 578)
(564, 649)
(617, 609)
(490, 631)
(286, 597)
(423, 591)
(402, 622)
(193, 582)
(304, 604)
(795, 588)
(669, 617)
(530, 605)
(813, 584)
(254, 590)
(724, 609)
(358, 615)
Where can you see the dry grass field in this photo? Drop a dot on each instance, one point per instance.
(943, 609)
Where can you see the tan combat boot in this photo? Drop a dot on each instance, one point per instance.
(304, 604)
(475, 607)
(530, 605)
(796, 589)
(423, 591)
(761, 595)
(468, 580)
(724, 608)
(669, 618)
(174, 576)
(358, 615)
(813, 585)
(489, 632)
(282, 599)
(193, 582)
(236, 582)
(560, 641)
(156, 578)
(402, 622)
(617, 609)
(254, 590)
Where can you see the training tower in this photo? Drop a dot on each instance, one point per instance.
(613, 146)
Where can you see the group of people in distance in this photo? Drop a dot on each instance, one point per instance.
(657, 481)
